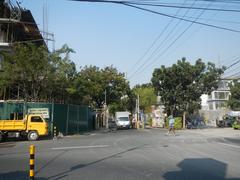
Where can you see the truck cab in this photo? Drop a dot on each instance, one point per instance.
(37, 126)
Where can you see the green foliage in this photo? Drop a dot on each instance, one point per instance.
(149, 122)
(93, 83)
(147, 96)
(236, 125)
(234, 100)
(34, 74)
(177, 124)
(182, 85)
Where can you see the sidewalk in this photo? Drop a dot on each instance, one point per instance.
(215, 132)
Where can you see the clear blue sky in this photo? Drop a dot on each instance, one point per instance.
(109, 34)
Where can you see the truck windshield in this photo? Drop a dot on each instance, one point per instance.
(123, 119)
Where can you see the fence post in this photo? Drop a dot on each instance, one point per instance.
(87, 120)
(67, 120)
(52, 121)
(31, 162)
(78, 121)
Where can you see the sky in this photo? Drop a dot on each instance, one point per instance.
(136, 41)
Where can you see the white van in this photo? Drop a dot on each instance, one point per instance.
(122, 119)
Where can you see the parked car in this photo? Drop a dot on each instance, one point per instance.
(226, 122)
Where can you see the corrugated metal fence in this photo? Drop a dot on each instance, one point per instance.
(68, 119)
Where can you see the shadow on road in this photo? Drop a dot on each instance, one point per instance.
(49, 162)
(19, 175)
(79, 166)
(199, 169)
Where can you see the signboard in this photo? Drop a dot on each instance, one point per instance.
(43, 111)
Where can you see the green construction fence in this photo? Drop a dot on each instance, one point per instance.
(68, 119)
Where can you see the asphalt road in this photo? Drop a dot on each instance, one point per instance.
(210, 154)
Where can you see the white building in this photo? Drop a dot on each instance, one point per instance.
(219, 97)
(214, 106)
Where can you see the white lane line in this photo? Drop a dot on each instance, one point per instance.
(230, 145)
(80, 147)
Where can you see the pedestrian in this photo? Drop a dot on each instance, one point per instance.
(171, 125)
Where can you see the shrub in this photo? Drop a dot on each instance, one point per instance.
(149, 122)
(236, 125)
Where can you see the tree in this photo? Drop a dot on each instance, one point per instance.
(32, 73)
(25, 70)
(147, 96)
(182, 85)
(92, 83)
(63, 73)
(234, 100)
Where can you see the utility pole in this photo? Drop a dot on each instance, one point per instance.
(137, 109)
(105, 108)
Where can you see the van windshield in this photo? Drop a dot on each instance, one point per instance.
(123, 119)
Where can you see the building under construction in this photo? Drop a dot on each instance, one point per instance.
(17, 25)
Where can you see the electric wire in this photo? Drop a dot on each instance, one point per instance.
(187, 20)
(238, 61)
(185, 40)
(136, 5)
(127, 3)
(232, 71)
(184, 7)
(170, 45)
(148, 50)
(159, 46)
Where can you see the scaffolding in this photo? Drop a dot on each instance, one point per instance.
(17, 25)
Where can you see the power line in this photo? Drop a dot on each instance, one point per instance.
(127, 3)
(236, 69)
(185, 7)
(149, 58)
(233, 64)
(223, 1)
(228, 61)
(223, 5)
(172, 43)
(132, 4)
(138, 62)
(143, 65)
(187, 20)
(233, 75)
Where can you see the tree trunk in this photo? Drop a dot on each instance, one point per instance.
(184, 119)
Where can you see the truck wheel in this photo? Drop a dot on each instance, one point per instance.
(33, 136)
(1, 137)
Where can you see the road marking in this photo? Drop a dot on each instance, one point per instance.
(235, 146)
(7, 144)
(80, 147)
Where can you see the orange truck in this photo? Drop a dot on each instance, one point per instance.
(31, 127)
